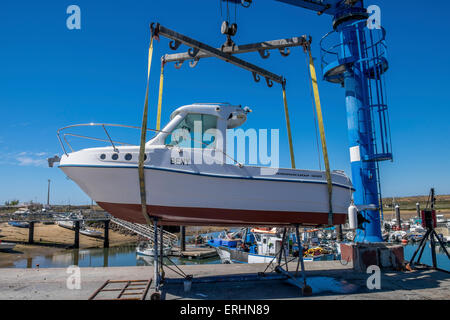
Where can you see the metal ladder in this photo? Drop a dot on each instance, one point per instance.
(146, 231)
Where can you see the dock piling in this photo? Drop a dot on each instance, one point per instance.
(31, 233)
(106, 235)
(76, 244)
(183, 238)
(397, 215)
(418, 210)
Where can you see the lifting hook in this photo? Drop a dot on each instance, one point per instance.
(193, 63)
(193, 52)
(284, 51)
(174, 44)
(256, 77)
(178, 64)
(264, 53)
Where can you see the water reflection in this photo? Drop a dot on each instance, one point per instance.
(112, 257)
(126, 256)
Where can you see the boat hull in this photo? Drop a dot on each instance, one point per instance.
(196, 216)
(177, 197)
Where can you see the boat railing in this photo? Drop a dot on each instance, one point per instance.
(63, 134)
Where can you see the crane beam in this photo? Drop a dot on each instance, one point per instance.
(246, 48)
(197, 46)
(320, 6)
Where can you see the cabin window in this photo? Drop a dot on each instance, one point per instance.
(191, 132)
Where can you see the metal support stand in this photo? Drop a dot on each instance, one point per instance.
(161, 254)
(156, 295)
(306, 290)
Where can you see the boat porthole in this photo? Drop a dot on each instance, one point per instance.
(103, 156)
(145, 157)
(115, 156)
(128, 156)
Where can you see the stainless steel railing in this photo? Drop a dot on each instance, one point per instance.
(113, 143)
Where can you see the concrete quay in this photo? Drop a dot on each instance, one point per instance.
(329, 280)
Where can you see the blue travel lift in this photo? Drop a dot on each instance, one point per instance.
(196, 51)
(352, 55)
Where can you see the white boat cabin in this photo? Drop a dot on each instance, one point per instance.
(200, 126)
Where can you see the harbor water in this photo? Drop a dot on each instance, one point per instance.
(126, 256)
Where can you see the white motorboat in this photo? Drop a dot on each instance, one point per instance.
(440, 219)
(397, 236)
(181, 190)
(66, 224)
(146, 249)
(91, 233)
(6, 246)
(417, 228)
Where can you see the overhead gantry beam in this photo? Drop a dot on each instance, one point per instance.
(197, 47)
(282, 45)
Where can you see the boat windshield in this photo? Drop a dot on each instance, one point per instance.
(192, 130)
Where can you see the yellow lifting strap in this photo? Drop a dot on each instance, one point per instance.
(288, 125)
(312, 70)
(143, 139)
(161, 82)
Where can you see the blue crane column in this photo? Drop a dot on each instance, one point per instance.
(359, 122)
(357, 63)
(356, 60)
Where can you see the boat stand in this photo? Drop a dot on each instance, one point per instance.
(278, 268)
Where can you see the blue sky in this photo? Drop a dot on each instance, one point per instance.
(51, 77)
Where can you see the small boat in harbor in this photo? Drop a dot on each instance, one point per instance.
(4, 246)
(146, 249)
(66, 224)
(261, 246)
(91, 233)
(19, 224)
(213, 191)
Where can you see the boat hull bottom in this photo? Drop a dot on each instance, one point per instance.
(188, 216)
